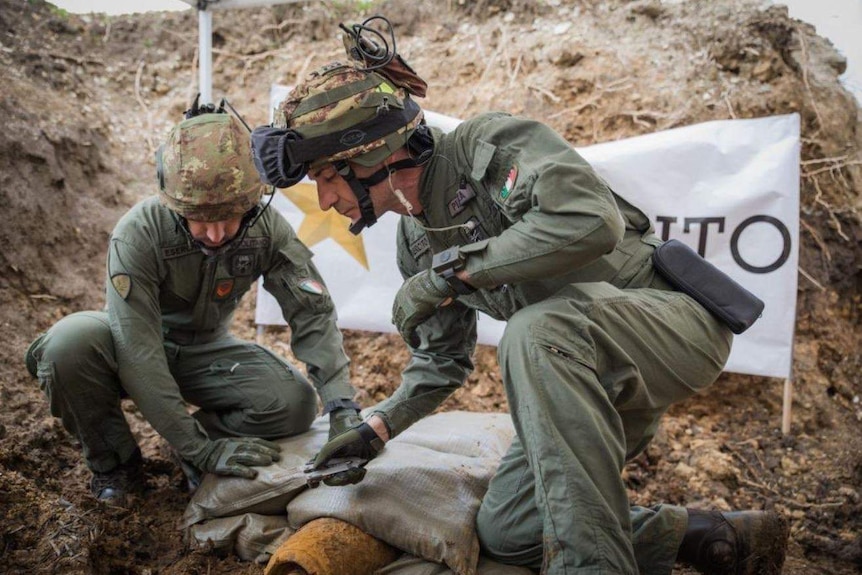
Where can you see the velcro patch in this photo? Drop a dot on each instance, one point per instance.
(242, 264)
(180, 250)
(123, 284)
(419, 247)
(254, 243)
(223, 289)
(459, 202)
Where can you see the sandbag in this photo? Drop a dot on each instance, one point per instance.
(420, 495)
(269, 492)
(251, 536)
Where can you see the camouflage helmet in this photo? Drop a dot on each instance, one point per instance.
(205, 169)
(338, 97)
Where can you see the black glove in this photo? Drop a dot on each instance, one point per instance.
(237, 455)
(360, 441)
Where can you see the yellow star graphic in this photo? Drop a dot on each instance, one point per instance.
(318, 225)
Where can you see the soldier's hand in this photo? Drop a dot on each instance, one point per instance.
(359, 441)
(237, 456)
(342, 419)
(417, 300)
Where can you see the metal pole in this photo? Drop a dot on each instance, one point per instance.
(205, 55)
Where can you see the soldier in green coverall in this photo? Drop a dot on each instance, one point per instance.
(503, 216)
(177, 267)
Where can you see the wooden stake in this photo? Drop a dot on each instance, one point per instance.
(785, 408)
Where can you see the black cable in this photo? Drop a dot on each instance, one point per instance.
(235, 113)
(375, 54)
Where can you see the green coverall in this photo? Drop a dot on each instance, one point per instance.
(596, 346)
(163, 340)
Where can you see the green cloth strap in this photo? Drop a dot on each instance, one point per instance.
(336, 94)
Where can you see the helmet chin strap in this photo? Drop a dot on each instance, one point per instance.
(361, 187)
(248, 220)
(366, 208)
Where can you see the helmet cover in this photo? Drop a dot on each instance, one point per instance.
(205, 168)
(339, 96)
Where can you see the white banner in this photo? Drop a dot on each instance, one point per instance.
(729, 189)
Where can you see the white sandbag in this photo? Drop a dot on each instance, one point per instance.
(269, 492)
(253, 537)
(422, 493)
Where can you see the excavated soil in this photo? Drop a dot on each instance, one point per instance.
(85, 100)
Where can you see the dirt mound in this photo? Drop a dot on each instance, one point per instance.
(85, 100)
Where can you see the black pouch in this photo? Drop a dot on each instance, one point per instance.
(709, 286)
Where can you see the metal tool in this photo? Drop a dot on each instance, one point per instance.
(333, 467)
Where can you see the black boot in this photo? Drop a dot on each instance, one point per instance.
(734, 543)
(113, 486)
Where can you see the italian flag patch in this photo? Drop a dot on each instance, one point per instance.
(509, 185)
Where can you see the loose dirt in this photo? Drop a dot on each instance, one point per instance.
(85, 101)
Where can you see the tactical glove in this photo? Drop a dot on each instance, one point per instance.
(342, 419)
(237, 455)
(417, 300)
(360, 441)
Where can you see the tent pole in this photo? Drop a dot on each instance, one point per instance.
(205, 55)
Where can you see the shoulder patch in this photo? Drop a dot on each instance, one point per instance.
(509, 184)
(123, 284)
(420, 246)
(311, 286)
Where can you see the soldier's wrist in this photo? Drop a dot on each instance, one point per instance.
(379, 426)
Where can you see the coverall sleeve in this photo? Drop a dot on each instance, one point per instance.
(135, 320)
(561, 215)
(439, 365)
(309, 311)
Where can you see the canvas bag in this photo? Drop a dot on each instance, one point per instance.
(420, 495)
